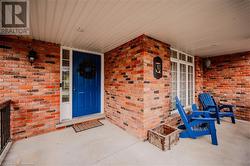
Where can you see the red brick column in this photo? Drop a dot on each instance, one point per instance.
(156, 91)
(134, 99)
(198, 78)
(124, 86)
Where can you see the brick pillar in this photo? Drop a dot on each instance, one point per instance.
(134, 99)
(198, 78)
(124, 86)
(156, 91)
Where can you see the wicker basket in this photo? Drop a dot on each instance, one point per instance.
(163, 136)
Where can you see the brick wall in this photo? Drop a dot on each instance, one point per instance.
(33, 89)
(228, 80)
(123, 73)
(156, 91)
(134, 99)
(198, 78)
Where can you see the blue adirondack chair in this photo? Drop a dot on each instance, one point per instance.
(209, 104)
(196, 124)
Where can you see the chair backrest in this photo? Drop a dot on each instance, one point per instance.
(206, 99)
(182, 112)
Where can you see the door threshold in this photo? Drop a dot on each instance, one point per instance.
(68, 123)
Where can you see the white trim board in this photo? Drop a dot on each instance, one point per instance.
(5, 152)
(178, 61)
(67, 114)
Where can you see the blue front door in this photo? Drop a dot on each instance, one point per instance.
(86, 84)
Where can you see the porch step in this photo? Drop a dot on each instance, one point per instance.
(68, 123)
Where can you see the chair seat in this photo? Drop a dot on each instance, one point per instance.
(181, 127)
(200, 127)
(212, 114)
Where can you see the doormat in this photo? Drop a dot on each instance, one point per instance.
(86, 125)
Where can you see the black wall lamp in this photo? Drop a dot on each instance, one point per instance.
(32, 56)
(207, 63)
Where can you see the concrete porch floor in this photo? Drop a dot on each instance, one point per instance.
(109, 145)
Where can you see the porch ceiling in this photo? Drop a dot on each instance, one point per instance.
(205, 28)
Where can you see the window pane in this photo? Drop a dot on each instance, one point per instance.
(65, 80)
(65, 63)
(190, 59)
(173, 54)
(183, 84)
(182, 57)
(65, 76)
(190, 85)
(65, 54)
(65, 98)
(173, 84)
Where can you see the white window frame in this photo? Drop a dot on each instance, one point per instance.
(178, 62)
(66, 111)
(66, 107)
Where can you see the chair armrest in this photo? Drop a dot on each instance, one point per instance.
(208, 107)
(199, 113)
(211, 106)
(197, 121)
(204, 119)
(221, 106)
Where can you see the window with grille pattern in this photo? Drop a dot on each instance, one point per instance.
(182, 74)
(65, 75)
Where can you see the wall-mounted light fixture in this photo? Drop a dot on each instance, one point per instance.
(80, 29)
(157, 67)
(207, 63)
(32, 56)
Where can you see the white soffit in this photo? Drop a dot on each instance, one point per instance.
(198, 27)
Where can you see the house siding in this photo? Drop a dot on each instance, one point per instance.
(33, 89)
(228, 80)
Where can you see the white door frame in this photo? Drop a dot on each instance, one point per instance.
(66, 114)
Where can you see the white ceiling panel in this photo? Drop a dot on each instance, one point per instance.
(198, 27)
